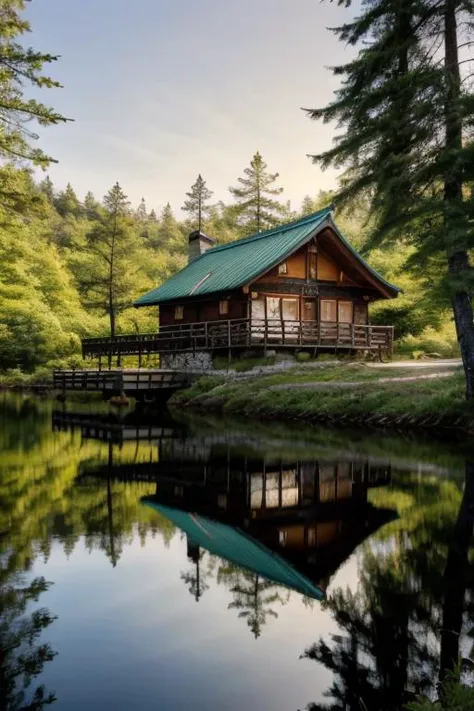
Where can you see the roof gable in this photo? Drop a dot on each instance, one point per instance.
(233, 265)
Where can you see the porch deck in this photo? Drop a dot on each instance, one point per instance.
(240, 334)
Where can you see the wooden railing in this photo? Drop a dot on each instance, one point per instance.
(129, 381)
(243, 333)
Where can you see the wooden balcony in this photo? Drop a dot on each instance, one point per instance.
(238, 334)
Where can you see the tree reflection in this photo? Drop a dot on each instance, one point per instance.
(401, 629)
(253, 595)
(22, 656)
(195, 578)
(41, 500)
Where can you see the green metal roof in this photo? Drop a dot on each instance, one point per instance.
(238, 547)
(230, 266)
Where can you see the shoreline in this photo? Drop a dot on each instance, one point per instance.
(355, 396)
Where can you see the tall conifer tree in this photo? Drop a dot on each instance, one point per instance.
(21, 66)
(407, 111)
(107, 278)
(197, 203)
(256, 206)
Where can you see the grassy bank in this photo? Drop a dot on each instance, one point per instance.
(352, 394)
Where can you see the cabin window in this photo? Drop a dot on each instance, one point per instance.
(273, 308)
(328, 310)
(223, 307)
(345, 311)
(178, 313)
(290, 309)
(283, 268)
(313, 265)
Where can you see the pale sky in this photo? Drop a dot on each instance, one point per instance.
(161, 90)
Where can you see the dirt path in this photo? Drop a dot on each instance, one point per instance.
(325, 385)
(419, 364)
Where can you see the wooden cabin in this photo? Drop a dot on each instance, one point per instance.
(297, 286)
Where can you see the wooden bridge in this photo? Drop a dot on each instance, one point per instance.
(241, 334)
(138, 383)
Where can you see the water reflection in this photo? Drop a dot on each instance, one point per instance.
(286, 518)
(409, 623)
(265, 513)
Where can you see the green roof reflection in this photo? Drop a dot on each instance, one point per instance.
(237, 547)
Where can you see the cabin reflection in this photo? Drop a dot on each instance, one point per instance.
(312, 511)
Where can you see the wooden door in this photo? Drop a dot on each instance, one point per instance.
(345, 311)
(345, 317)
(309, 310)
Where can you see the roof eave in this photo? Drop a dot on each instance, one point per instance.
(390, 291)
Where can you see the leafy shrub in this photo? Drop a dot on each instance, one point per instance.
(433, 343)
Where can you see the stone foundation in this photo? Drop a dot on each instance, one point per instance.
(187, 361)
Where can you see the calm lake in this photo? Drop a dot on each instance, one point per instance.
(195, 562)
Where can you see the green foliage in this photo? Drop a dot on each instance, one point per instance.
(456, 697)
(107, 265)
(196, 204)
(405, 107)
(256, 207)
(23, 658)
(20, 67)
(431, 343)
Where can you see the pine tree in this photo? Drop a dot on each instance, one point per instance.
(47, 188)
(196, 205)
(407, 112)
(67, 202)
(170, 235)
(141, 211)
(107, 274)
(91, 206)
(256, 207)
(21, 66)
(307, 206)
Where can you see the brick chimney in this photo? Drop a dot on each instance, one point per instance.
(198, 244)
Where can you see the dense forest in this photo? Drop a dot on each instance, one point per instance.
(58, 283)
(71, 266)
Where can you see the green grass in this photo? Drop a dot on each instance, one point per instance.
(257, 397)
(241, 365)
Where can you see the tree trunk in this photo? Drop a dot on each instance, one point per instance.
(454, 213)
(456, 576)
(111, 316)
(463, 318)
